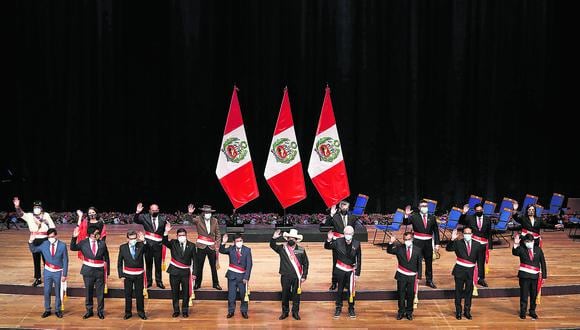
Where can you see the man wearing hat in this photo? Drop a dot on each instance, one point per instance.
(348, 267)
(154, 226)
(38, 223)
(208, 242)
(532, 262)
(293, 270)
(339, 220)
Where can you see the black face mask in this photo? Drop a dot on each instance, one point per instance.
(291, 243)
(154, 214)
(479, 214)
(344, 212)
(92, 216)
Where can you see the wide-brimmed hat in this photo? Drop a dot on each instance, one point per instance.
(206, 208)
(37, 203)
(293, 233)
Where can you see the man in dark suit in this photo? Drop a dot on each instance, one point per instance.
(532, 262)
(181, 269)
(531, 224)
(96, 268)
(426, 232)
(481, 226)
(410, 261)
(348, 267)
(207, 243)
(238, 273)
(467, 255)
(154, 225)
(55, 268)
(293, 270)
(130, 267)
(339, 220)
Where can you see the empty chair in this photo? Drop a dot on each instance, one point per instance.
(529, 200)
(431, 204)
(501, 227)
(473, 200)
(555, 204)
(451, 223)
(388, 230)
(489, 208)
(507, 203)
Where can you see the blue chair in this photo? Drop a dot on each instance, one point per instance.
(431, 204)
(576, 222)
(473, 199)
(501, 227)
(378, 228)
(390, 228)
(489, 208)
(507, 203)
(529, 200)
(451, 223)
(360, 205)
(556, 204)
(539, 210)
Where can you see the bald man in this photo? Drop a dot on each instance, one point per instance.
(154, 226)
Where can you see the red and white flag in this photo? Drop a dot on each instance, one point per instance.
(234, 168)
(326, 168)
(284, 169)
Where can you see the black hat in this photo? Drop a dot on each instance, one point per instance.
(206, 208)
(528, 238)
(37, 203)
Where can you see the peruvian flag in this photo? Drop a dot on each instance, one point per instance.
(234, 168)
(326, 167)
(284, 169)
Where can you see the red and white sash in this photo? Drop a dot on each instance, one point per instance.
(205, 240)
(40, 234)
(405, 271)
(422, 236)
(352, 283)
(93, 263)
(480, 240)
(295, 264)
(133, 271)
(336, 235)
(153, 236)
(464, 263)
(525, 232)
(179, 264)
(236, 269)
(344, 267)
(529, 269)
(52, 268)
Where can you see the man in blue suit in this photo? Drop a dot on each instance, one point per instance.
(55, 268)
(238, 273)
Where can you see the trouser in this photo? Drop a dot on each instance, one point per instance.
(235, 285)
(406, 292)
(290, 291)
(463, 289)
(481, 262)
(134, 284)
(36, 258)
(180, 287)
(153, 255)
(334, 257)
(200, 260)
(343, 281)
(50, 279)
(528, 288)
(94, 285)
(427, 248)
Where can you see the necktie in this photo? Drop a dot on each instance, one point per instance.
(183, 247)
(238, 254)
(52, 249)
(425, 221)
(94, 248)
(155, 224)
(344, 220)
(531, 254)
(479, 223)
(468, 248)
(133, 251)
(408, 253)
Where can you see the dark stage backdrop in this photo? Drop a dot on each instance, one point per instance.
(115, 102)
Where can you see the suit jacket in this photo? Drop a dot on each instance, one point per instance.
(145, 220)
(416, 220)
(60, 257)
(539, 261)
(414, 264)
(471, 221)
(527, 223)
(125, 258)
(353, 258)
(460, 248)
(186, 257)
(213, 232)
(286, 267)
(245, 260)
(338, 224)
(102, 254)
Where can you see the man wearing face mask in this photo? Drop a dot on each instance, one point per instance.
(425, 231)
(467, 255)
(348, 267)
(38, 223)
(532, 262)
(531, 224)
(481, 226)
(181, 270)
(208, 241)
(238, 273)
(55, 268)
(293, 270)
(130, 266)
(339, 220)
(154, 225)
(95, 270)
(409, 258)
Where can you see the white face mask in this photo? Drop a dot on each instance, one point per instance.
(182, 239)
(409, 243)
(207, 216)
(424, 210)
(36, 210)
(530, 245)
(132, 242)
(239, 244)
(467, 237)
(52, 240)
(347, 237)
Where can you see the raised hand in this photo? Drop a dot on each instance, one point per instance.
(190, 208)
(408, 210)
(333, 210)
(80, 214)
(277, 234)
(517, 239)
(167, 227)
(329, 235)
(140, 236)
(393, 239)
(224, 239)
(454, 235)
(16, 202)
(139, 208)
(516, 206)
(76, 232)
(465, 208)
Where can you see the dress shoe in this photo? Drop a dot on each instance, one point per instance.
(533, 315)
(458, 316)
(142, 316)
(337, 312)
(245, 315)
(175, 314)
(46, 314)
(217, 287)
(160, 285)
(482, 282)
(295, 315)
(58, 314)
(332, 286)
(400, 316)
(87, 315)
(410, 317)
(127, 316)
(101, 315)
(351, 313)
(431, 284)
(185, 315)
(36, 282)
(283, 316)
(230, 315)
(523, 316)
(467, 315)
